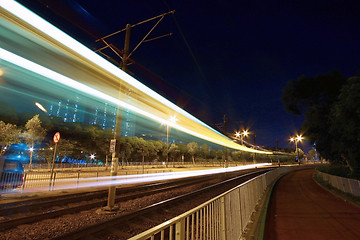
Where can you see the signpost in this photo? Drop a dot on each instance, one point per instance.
(112, 145)
(56, 139)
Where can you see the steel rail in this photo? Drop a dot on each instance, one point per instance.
(49, 202)
(90, 231)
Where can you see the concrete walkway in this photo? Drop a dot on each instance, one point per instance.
(301, 209)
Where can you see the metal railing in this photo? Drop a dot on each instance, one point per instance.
(40, 176)
(10, 180)
(223, 217)
(346, 185)
(38, 179)
(77, 166)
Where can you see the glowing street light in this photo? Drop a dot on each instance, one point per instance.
(92, 156)
(242, 134)
(297, 139)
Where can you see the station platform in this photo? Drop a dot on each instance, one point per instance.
(301, 209)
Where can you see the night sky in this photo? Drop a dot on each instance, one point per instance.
(224, 57)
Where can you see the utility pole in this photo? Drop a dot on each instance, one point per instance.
(254, 160)
(117, 132)
(225, 150)
(224, 118)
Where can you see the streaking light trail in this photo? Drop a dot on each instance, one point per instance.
(41, 107)
(68, 184)
(146, 103)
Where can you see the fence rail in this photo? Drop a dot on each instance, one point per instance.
(40, 175)
(346, 185)
(77, 166)
(223, 217)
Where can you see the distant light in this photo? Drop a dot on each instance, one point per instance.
(245, 133)
(173, 119)
(92, 156)
(31, 149)
(40, 106)
(299, 138)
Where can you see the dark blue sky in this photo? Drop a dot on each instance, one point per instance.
(225, 57)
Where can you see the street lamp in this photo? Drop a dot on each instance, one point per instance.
(296, 139)
(242, 134)
(172, 119)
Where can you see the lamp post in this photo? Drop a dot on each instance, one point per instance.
(242, 134)
(172, 119)
(296, 139)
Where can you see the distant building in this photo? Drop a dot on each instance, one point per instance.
(103, 115)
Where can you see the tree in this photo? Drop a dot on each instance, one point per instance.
(301, 153)
(212, 153)
(65, 149)
(219, 154)
(182, 150)
(174, 151)
(236, 155)
(204, 149)
(193, 149)
(161, 150)
(47, 153)
(9, 134)
(314, 97)
(345, 125)
(125, 148)
(311, 154)
(34, 133)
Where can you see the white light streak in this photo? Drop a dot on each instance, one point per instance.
(40, 106)
(50, 30)
(36, 68)
(63, 39)
(68, 184)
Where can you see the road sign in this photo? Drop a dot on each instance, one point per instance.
(112, 145)
(56, 137)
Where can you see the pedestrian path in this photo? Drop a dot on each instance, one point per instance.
(300, 209)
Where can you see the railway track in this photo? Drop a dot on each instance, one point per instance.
(34, 210)
(129, 224)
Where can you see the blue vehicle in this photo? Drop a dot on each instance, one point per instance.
(11, 174)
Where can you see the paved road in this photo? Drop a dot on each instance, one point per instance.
(300, 209)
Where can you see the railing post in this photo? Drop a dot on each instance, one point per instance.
(53, 181)
(240, 211)
(78, 177)
(223, 223)
(180, 230)
(24, 181)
